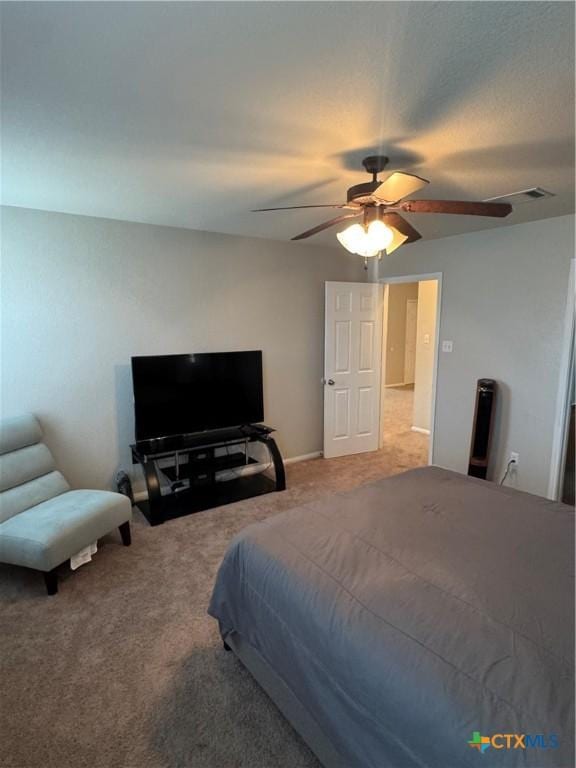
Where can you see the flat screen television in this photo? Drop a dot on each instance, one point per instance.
(182, 394)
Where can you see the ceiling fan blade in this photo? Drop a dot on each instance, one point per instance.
(326, 225)
(465, 207)
(395, 221)
(397, 186)
(296, 207)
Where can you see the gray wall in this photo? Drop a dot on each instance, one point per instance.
(81, 295)
(504, 297)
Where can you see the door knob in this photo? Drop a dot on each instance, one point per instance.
(331, 382)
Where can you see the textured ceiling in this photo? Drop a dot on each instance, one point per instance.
(191, 114)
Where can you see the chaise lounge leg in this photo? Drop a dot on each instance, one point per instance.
(125, 533)
(51, 579)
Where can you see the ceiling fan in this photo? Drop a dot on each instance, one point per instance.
(379, 203)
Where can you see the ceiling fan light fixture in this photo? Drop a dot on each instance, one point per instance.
(399, 238)
(352, 238)
(366, 242)
(378, 235)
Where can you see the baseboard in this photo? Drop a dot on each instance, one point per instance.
(303, 457)
(253, 469)
(420, 430)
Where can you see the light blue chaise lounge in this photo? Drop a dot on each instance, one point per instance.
(42, 522)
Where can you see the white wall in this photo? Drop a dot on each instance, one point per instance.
(81, 295)
(504, 296)
(425, 353)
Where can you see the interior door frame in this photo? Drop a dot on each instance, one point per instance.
(561, 426)
(416, 279)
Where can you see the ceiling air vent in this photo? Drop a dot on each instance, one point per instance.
(524, 196)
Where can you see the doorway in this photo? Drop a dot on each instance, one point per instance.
(370, 406)
(410, 334)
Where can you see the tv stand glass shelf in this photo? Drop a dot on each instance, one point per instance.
(181, 471)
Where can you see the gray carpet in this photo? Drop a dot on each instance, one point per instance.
(124, 669)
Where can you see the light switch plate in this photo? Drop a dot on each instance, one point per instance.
(447, 346)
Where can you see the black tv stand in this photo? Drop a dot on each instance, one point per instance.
(189, 464)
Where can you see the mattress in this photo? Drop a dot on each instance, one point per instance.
(425, 620)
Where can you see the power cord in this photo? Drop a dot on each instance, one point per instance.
(508, 467)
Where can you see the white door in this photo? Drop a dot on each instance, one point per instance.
(352, 368)
(410, 344)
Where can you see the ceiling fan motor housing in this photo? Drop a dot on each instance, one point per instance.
(372, 213)
(362, 193)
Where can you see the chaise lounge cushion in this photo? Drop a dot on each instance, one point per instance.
(49, 533)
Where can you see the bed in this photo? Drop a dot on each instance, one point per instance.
(398, 622)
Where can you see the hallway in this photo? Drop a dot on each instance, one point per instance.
(412, 447)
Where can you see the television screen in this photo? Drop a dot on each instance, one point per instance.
(180, 394)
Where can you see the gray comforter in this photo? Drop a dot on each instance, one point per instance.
(412, 612)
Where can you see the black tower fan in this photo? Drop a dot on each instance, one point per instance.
(482, 428)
